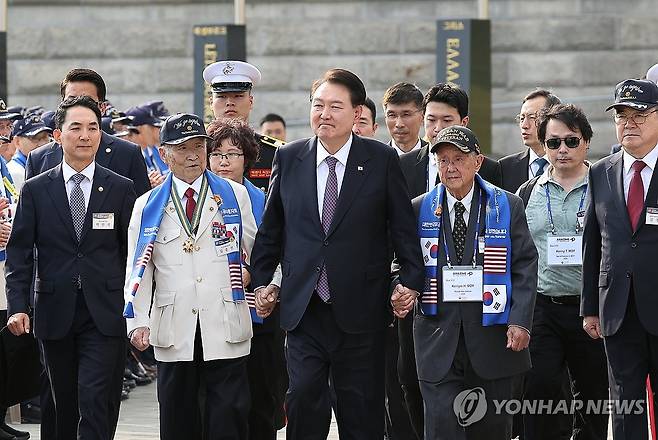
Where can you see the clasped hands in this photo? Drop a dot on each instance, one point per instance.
(403, 300)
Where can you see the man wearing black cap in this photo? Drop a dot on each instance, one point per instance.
(231, 83)
(197, 319)
(471, 330)
(618, 300)
(28, 134)
(147, 137)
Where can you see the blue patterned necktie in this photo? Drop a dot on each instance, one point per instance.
(328, 208)
(77, 204)
(459, 231)
(541, 165)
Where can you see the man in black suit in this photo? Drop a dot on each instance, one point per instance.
(471, 331)
(334, 201)
(122, 157)
(618, 300)
(76, 216)
(444, 105)
(518, 168)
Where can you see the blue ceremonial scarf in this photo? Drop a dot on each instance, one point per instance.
(8, 184)
(497, 280)
(150, 224)
(20, 158)
(257, 198)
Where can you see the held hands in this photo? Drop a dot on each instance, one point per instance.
(139, 338)
(5, 231)
(403, 300)
(266, 300)
(19, 324)
(592, 326)
(518, 338)
(4, 204)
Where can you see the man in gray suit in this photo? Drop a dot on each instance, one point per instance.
(471, 331)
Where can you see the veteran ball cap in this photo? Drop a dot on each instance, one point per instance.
(231, 76)
(30, 126)
(6, 114)
(640, 94)
(181, 127)
(459, 136)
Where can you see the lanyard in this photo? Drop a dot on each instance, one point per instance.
(550, 213)
(475, 240)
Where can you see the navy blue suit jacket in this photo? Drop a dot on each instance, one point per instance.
(373, 205)
(43, 221)
(122, 157)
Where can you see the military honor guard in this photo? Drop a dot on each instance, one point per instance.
(188, 235)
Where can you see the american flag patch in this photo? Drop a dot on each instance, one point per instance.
(145, 256)
(495, 259)
(235, 273)
(430, 292)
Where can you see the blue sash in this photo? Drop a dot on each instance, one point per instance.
(497, 279)
(150, 224)
(257, 198)
(20, 158)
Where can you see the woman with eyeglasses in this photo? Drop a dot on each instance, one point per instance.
(231, 153)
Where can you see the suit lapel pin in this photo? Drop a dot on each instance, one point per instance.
(100, 189)
(108, 150)
(212, 208)
(359, 168)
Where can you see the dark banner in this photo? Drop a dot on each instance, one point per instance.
(463, 59)
(214, 42)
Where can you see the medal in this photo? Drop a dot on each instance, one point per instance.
(188, 245)
(438, 210)
(217, 199)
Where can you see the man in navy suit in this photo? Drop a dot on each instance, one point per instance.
(122, 157)
(334, 200)
(618, 300)
(76, 216)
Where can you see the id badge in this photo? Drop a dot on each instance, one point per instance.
(102, 220)
(565, 250)
(223, 247)
(652, 216)
(462, 283)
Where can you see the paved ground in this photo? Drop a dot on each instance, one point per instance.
(139, 418)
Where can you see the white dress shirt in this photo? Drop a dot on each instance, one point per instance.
(432, 171)
(181, 187)
(400, 151)
(466, 201)
(323, 169)
(646, 173)
(85, 185)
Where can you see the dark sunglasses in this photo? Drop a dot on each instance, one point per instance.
(571, 142)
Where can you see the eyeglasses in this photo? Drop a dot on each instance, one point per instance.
(228, 156)
(637, 118)
(521, 118)
(571, 142)
(457, 162)
(392, 116)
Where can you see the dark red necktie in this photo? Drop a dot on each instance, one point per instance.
(191, 204)
(635, 201)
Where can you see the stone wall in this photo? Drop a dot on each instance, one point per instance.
(143, 49)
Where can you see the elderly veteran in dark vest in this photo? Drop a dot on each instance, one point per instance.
(471, 330)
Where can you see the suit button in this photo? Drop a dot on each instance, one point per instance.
(194, 311)
(633, 245)
(326, 243)
(80, 255)
(628, 274)
(197, 248)
(318, 269)
(199, 279)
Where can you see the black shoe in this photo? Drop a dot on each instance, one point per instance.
(19, 435)
(129, 383)
(30, 413)
(124, 395)
(6, 436)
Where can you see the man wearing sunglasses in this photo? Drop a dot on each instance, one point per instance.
(555, 211)
(619, 301)
(518, 168)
